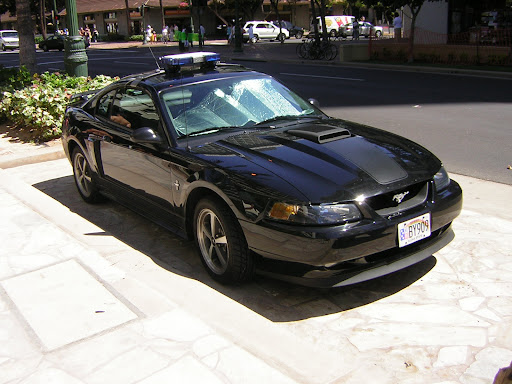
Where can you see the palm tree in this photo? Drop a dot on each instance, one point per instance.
(25, 26)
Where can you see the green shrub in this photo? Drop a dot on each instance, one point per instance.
(136, 38)
(14, 78)
(112, 37)
(39, 107)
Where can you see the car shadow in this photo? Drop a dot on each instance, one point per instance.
(276, 300)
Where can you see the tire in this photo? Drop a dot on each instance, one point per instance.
(45, 48)
(3, 47)
(281, 37)
(221, 243)
(302, 50)
(84, 181)
(299, 35)
(330, 52)
(333, 33)
(378, 34)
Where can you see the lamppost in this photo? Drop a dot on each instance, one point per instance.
(75, 58)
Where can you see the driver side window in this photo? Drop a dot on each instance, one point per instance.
(133, 108)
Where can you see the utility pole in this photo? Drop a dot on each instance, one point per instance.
(75, 58)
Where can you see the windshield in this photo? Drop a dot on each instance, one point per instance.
(10, 34)
(236, 102)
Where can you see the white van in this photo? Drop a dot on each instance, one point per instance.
(9, 39)
(333, 23)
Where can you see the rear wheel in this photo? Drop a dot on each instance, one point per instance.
(378, 33)
(221, 243)
(299, 35)
(333, 33)
(45, 48)
(83, 177)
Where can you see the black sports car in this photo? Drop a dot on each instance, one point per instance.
(259, 177)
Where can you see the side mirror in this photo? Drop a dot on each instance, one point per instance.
(145, 135)
(314, 102)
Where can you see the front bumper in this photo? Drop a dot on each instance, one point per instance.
(348, 273)
(11, 45)
(342, 255)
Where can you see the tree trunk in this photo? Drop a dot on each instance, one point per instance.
(42, 18)
(27, 55)
(128, 21)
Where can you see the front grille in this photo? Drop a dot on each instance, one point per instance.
(399, 200)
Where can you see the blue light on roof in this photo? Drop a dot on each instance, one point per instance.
(186, 59)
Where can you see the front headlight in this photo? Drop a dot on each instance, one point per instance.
(441, 179)
(315, 214)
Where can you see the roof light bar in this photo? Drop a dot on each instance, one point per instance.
(173, 63)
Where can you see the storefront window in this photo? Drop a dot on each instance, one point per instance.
(109, 15)
(112, 27)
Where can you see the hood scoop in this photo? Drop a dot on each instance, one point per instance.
(321, 134)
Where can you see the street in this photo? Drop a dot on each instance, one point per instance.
(464, 120)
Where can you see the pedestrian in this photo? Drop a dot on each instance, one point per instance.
(165, 34)
(251, 34)
(355, 30)
(147, 36)
(95, 35)
(397, 26)
(229, 33)
(202, 32)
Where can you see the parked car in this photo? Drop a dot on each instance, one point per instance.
(265, 30)
(364, 30)
(56, 42)
(261, 179)
(9, 39)
(294, 31)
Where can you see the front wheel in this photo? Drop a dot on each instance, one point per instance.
(378, 34)
(3, 47)
(299, 35)
(83, 178)
(281, 37)
(45, 48)
(333, 33)
(221, 243)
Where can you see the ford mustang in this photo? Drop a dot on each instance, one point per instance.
(260, 178)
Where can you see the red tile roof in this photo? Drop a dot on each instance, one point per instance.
(92, 6)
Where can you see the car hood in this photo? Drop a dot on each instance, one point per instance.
(323, 160)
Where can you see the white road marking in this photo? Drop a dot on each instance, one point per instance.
(322, 77)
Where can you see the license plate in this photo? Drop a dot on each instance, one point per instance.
(414, 230)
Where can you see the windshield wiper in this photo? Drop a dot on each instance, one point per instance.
(208, 131)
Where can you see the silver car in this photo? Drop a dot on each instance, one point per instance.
(364, 30)
(9, 39)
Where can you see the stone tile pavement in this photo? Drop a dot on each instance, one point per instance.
(96, 294)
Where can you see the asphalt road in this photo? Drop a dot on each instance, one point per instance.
(464, 120)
